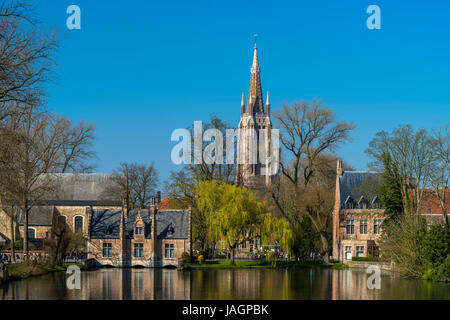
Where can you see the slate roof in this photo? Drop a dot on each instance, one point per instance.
(105, 224)
(175, 221)
(38, 216)
(131, 218)
(356, 184)
(87, 186)
(3, 238)
(80, 203)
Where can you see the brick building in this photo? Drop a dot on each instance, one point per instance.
(115, 235)
(358, 213)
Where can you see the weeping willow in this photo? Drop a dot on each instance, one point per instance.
(235, 215)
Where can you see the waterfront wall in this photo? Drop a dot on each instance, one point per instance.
(385, 266)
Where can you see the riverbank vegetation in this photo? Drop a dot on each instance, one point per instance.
(225, 264)
(416, 174)
(23, 270)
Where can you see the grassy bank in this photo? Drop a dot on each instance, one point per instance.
(24, 270)
(262, 264)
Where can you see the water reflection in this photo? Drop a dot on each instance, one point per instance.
(253, 284)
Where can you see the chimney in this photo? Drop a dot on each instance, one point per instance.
(158, 197)
(339, 170)
(153, 230)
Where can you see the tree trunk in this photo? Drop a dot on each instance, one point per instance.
(13, 238)
(324, 252)
(25, 232)
(232, 255)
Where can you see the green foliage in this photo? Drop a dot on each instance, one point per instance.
(401, 243)
(435, 250)
(186, 257)
(306, 239)
(389, 190)
(235, 215)
(28, 269)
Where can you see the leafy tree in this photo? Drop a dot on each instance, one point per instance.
(235, 215)
(435, 249)
(389, 190)
(401, 243)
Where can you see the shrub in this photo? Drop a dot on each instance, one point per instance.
(435, 251)
(186, 257)
(201, 259)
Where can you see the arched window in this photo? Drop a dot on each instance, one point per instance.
(31, 233)
(78, 224)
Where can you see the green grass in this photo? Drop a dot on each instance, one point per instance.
(25, 270)
(262, 264)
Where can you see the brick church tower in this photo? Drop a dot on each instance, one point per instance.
(255, 134)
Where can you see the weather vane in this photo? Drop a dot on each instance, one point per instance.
(256, 37)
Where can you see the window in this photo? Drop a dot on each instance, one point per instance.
(169, 250)
(138, 231)
(107, 250)
(376, 226)
(138, 250)
(363, 227)
(350, 227)
(373, 251)
(244, 245)
(360, 251)
(78, 224)
(31, 233)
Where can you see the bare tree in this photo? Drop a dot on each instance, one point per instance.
(77, 147)
(308, 133)
(139, 179)
(26, 55)
(440, 168)
(411, 155)
(32, 150)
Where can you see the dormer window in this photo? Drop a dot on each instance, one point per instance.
(376, 203)
(362, 203)
(138, 231)
(349, 204)
(170, 230)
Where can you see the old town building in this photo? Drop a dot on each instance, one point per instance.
(358, 213)
(115, 235)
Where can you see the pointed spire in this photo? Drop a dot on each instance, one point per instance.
(242, 104)
(255, 92)
(250, 105)
(255, 65)
(268, 104)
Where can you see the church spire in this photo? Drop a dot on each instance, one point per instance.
(268, 104)
(242, 105)
(255, 92)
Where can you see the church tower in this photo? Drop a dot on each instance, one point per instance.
(254, 133)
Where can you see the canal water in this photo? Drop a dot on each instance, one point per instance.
(278, 284)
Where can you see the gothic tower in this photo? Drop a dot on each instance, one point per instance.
(254, 134)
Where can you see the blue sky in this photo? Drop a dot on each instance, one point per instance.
(140, 69)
